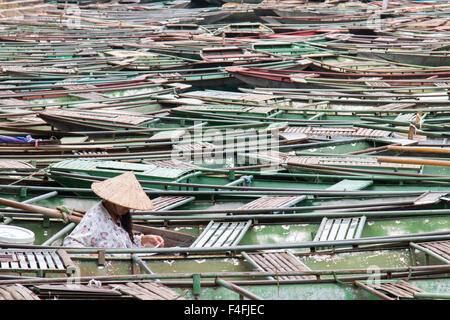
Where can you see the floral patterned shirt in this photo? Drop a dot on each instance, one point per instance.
(97, 229)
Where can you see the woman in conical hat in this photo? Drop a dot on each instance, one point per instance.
(108, 223)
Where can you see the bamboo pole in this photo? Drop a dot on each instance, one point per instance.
(241, 291)
(418, 149)
(52, 213)
(440, 163)
(395, 160)
(431, 295)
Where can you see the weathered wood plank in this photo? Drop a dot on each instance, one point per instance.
(48, 258)
(40, 260)
(164, 291)
(22, 260)
(396, 291)
(57, 260)
(31, 260)
(334, 229)
(206, 234)
(276, 266)
(343, 228)
(222, 227)
(5, 264)
(321, 228)
(14, 263)
(240, 229)
(225, 235)
(131, 291)
(352, 229)
(326, 230)
(148, 294)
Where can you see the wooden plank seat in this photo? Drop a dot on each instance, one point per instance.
(16, 292)
(312, 131)
(172, 163)
(350, 185)
(147, 291)
(35, 260)
(438, 249)
(222, 234)
(273, 202)
(168, 202)
(75, 291)
(345, 228)
(283, 261)
(390, 289)
(340, 229)
(194, 147)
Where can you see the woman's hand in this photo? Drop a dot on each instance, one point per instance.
(152, 239)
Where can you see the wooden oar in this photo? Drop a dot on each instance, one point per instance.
(52, 213)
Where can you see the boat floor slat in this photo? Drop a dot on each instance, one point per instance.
(279, 262)
(395, 289)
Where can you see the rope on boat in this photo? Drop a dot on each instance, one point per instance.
(29, 176)
(66, 213)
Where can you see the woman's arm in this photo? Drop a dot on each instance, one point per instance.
(141, 240)
(151, 239)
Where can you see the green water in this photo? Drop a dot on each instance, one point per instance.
(359, 260)
(402, 226)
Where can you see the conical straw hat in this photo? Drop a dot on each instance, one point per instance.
(123, 190)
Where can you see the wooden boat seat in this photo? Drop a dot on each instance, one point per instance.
(16, 292)
(338, 132)
(390, 289)
(197, 146)
(148, 291)
(78, 291)
(438, 249)
(36, 260)
(283, 261)
(340, 229)
(350, 185)
(222, 234)
(172, 164)
(378, 84)
(273, 202)
(168, 202)
(405, 117)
